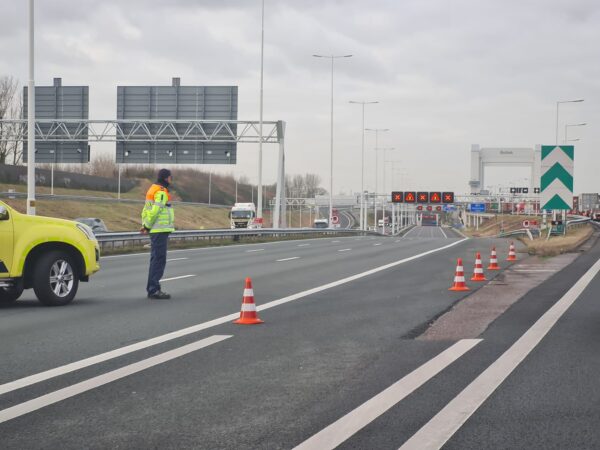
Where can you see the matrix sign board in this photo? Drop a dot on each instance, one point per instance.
(177, 102)
(557, 177)
(59, 102)
(422, 197)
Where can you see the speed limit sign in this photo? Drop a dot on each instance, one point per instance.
(335, 220)
(526, 224)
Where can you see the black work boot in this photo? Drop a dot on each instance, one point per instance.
(159, 295)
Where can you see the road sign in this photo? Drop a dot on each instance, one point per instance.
(448, 197)
(435, 197)
(477, 207)
(335, 220)
(410, 197)
(429, 207)
(449, 208)
(420, 208)
(438, 208)
(557, 177)
(422, 197)
(397, 197)
(526, 224)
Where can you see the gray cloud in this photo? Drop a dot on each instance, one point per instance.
(447, 74)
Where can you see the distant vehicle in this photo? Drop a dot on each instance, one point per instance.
(97, 225)
(382, 222)
(49, 255)
(243, 215)
(321, 223)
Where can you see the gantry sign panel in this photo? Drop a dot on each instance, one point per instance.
(59, 102)
(422, 197)
(152, 104)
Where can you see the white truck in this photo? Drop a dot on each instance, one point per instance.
(243, 215)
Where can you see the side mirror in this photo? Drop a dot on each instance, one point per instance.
(3, 213)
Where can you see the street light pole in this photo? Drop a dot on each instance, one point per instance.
(259, 212)
(557, 105)
(376, 130)
(567, 126)
(31, 118)
(332, 57)
(363, 209)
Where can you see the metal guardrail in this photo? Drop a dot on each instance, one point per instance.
(131, 239)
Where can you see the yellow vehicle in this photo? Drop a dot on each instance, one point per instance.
(49, 255)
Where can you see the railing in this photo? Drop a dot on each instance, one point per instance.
(131, 239)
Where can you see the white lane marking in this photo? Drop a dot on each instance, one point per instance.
(177, 278)
(51, 373)
(456, 230)
(375, 245)
(442, 230)
(534, 270)
(100, 380)
(435, 433)
(335, 242)
(409, 231)
(255, 250)
(288, 259)
(303, 245)
(342, 429)
(176, 259)
(344, 250)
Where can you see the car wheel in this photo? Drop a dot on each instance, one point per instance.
(11, 294)
(55, 279)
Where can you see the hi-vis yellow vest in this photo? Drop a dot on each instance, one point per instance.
(158, 215)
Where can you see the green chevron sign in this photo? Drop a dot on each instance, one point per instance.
(557, 176)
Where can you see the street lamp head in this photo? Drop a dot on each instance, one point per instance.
(318, 56)
(579, 100)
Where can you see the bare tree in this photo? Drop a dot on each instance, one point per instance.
(10, 108)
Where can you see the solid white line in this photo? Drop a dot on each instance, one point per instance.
(409, 231)
(355, 420)
(344, 250)
(255, 250)
(442, 230)
(435, 433)
(177, 278)
(288, 259)
(51, 373)
(101, 380)
(176, 259)
(534, 270)
(456, 230)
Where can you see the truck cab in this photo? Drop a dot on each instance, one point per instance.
(49, 255)
(243, 215)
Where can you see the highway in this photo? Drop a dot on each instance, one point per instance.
(340, 360)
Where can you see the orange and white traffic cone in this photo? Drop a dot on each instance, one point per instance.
(248, 314)
(493, 260)
(478, 271)
(459, 278)
(512, 255)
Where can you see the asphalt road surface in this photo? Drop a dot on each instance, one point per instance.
(336, 362)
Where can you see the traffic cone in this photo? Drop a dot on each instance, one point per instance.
(248, 314)
(478, 271)
(512, 256)
(459, 278)
(493, 260)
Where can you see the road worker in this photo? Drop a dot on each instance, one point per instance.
(158, 222)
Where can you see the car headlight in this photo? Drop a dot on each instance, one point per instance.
(87, 231)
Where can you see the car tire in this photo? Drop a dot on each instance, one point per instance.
(11, 294)
(55, 279)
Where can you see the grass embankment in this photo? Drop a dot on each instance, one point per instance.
(126, 216)
(493, 226)
(137, 193)
(559, 244)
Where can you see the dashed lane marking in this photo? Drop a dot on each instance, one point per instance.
(303, 245)
(255, 250)
(355, 420)
(176, 259)
(435, 433)
(177, 278)
(100, 380)
(344, 250)
(288, 259)
(131, 348)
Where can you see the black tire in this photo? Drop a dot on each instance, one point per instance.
(55, 279)
(11, 294)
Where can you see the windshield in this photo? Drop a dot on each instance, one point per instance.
(241, 214)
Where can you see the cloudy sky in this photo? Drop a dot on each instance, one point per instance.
(447, 74)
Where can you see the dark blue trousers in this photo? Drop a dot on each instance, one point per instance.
(158, 261)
